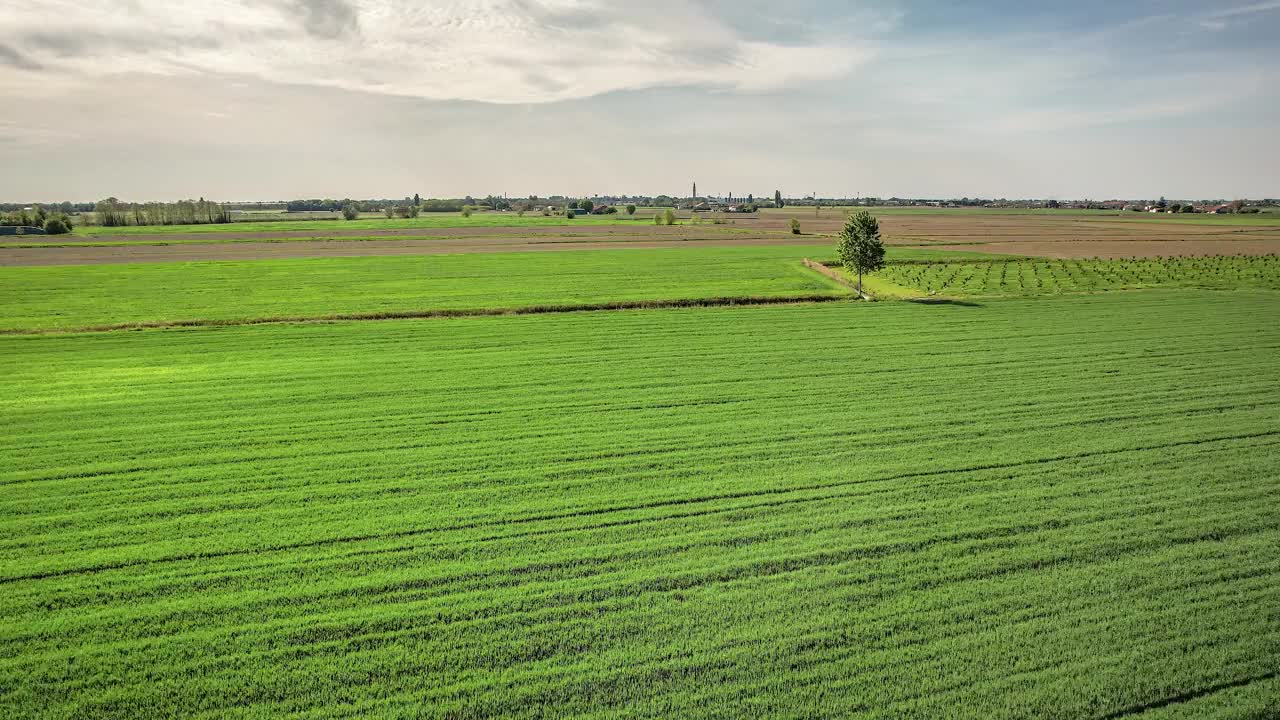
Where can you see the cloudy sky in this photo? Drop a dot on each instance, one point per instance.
(268, 99)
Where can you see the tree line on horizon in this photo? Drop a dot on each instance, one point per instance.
(53, 222)
(112, 212)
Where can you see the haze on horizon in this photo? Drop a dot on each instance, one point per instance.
(238, 100)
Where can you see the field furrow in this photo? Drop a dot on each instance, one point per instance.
(1027, 508)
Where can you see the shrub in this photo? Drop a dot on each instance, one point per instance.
(669, 217)
(57, 226)
(611, 210)
(657, 219)
(631, 209)
(350, 212)
(466, 211)
(569, 214)
(795, 226)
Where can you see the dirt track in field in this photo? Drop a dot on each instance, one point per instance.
(1046, 236)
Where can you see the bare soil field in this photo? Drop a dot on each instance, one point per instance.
(96, 255)
(1053, 236)
(963, 228)
(1065, 249)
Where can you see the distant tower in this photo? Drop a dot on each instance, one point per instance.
(695, 189)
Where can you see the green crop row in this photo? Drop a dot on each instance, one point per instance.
(1038, 277)
(430, 220)
(80, 296)
(1025, 509)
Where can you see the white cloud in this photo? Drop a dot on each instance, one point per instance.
(1246, 9)
(497, 51)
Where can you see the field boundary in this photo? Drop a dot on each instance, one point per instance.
(725, 301)
(828, 272)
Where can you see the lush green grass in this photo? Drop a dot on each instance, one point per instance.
(1039, 277)
(641, 233)
(1041, 509)
(78, 296)
(429, 220)
(511, 219)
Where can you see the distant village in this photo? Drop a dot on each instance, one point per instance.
(32, 218)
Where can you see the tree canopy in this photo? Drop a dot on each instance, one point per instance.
(860, 248)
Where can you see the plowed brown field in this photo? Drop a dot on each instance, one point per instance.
(1048, 236)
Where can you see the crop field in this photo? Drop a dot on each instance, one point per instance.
(1051, 234)
(1032, 508)
(61, 297)
(430, 220)
(1266, 216)
(1038, 277)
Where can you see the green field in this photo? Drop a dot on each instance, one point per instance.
(80, 296)
(637, 233)
(643, 217)
(431, 220)
(1034, 508)
(1039, 277)
(93, 296)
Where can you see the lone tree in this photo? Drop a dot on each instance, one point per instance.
(631, 209)
(777, 198)
(587, 206)
(860, 248)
